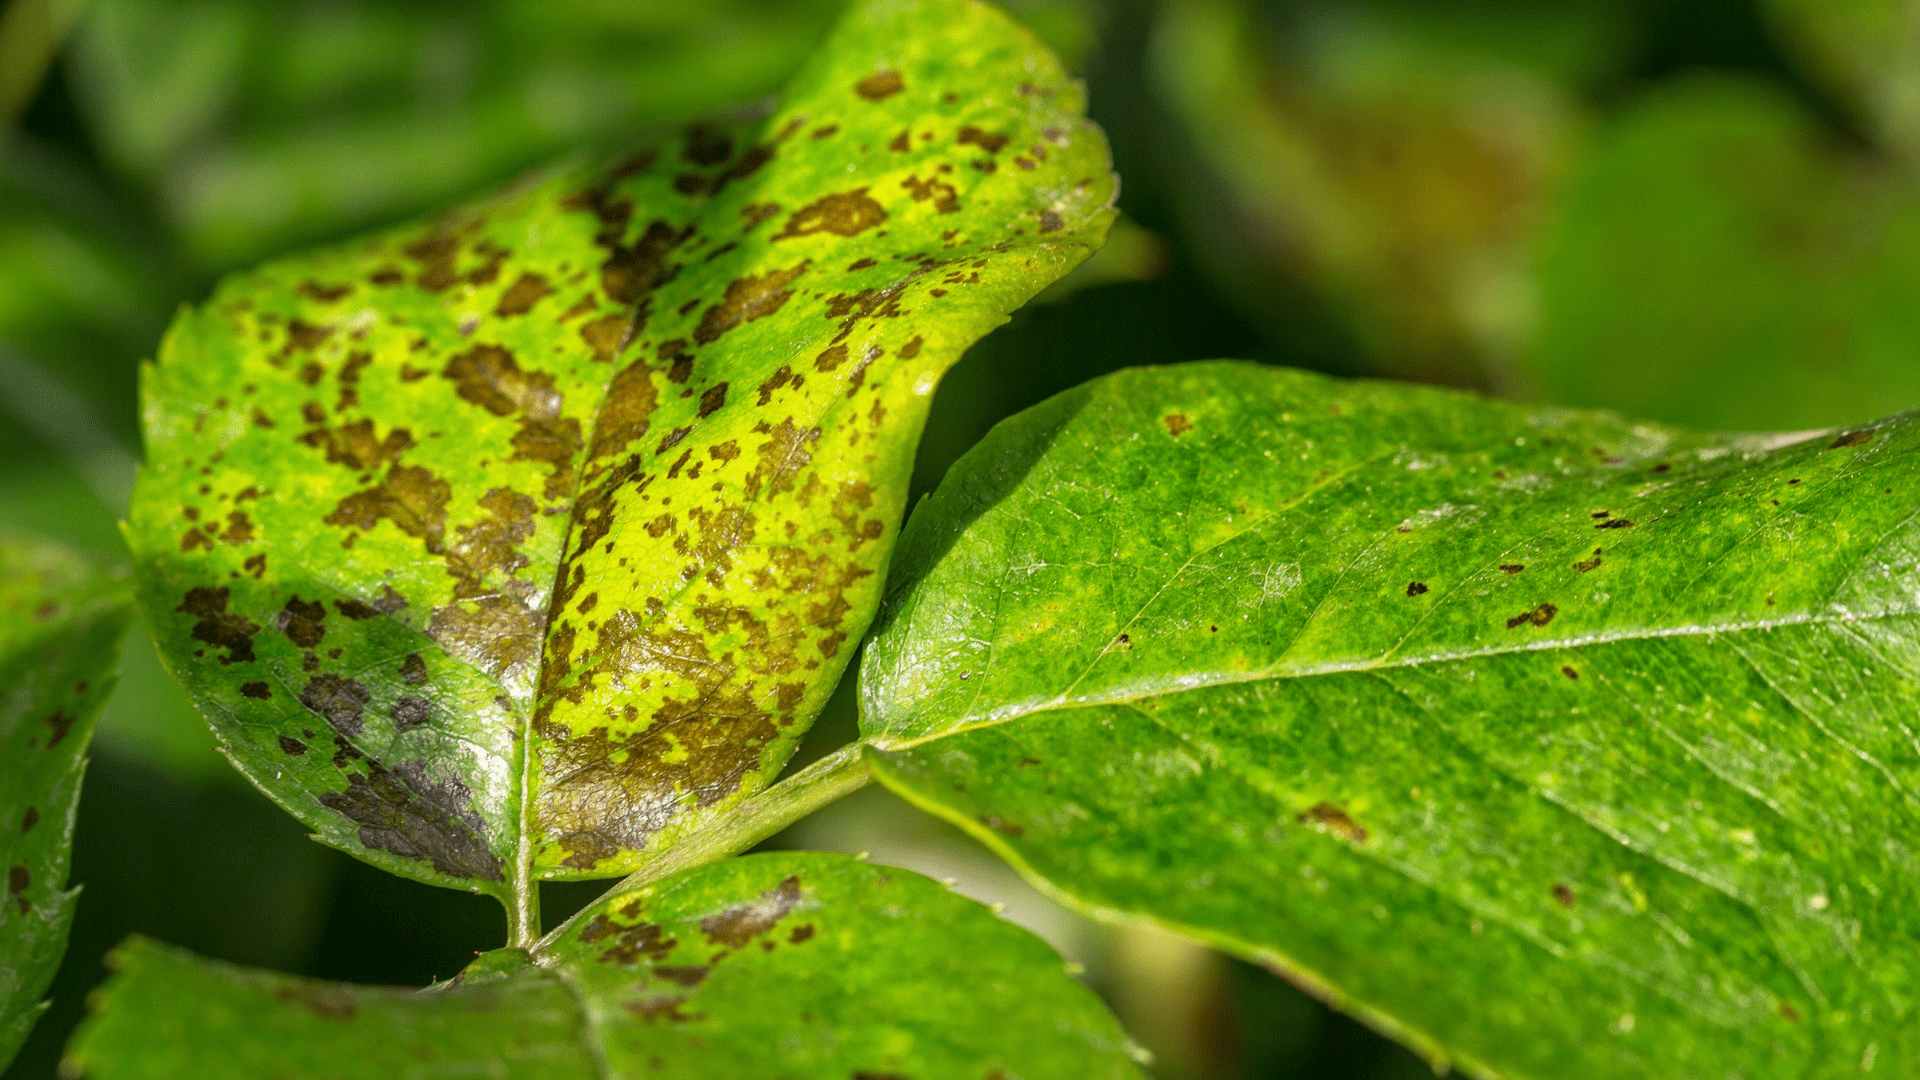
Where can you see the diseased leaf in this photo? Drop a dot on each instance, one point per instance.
(1554, 744)
(61, 621)
(500, 547)
(799, 965)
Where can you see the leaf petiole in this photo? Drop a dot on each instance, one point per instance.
(826, 781)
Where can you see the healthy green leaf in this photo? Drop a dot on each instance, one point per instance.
(61, 621)
(1554, 744)
(798, 965)
(502, 547)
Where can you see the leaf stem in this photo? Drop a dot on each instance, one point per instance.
(523, 913)
(826, 781)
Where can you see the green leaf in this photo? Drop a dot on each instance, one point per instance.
(799, 965)
(510, 545)
(1553, 744)
(61, 621)
(1714, 260)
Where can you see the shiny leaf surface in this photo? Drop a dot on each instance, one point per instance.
(61, 621)
(796, 965)
(1554, 744)
(503, 546)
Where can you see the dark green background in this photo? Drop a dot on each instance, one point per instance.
(102, 245)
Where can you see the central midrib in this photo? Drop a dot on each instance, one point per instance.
(1210, 680)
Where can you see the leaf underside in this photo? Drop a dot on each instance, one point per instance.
(1556, 745)
(506, 546)
(61, 622)
(798, 965)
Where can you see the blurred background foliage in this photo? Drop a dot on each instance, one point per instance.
(1703, 212)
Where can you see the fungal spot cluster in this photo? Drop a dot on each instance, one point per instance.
(624, 940)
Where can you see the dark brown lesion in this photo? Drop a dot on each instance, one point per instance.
(753, 296)
(216, 626)
(404, 812)
(846, 213)
(527, 290)
(880, 85)
(1331, 819)
(737, 926)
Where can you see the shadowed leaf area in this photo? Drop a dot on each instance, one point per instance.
(1553, 744)
(796, 965)
(503, 546)
(61, 621)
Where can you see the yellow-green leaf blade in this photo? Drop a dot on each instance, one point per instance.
(798, 965)
(61, 621)
(1557, 745)
(504, 546)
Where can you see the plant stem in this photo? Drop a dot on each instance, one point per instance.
(826, 781)
(523, 910)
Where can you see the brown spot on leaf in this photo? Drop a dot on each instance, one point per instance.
(403, 812)
(1331, 819)
(338, 701)
(738, 925)
(879, 85)
(29, 819)
(259, 691)
(291, 746)
(216, 627)
(325, 294)
(410, 712)
(522, 295)
(1177, 424)
(1511, 568)
(303, 621)
(413, 670)
(1539, 616)
(624, 413)
(60, 721)
(847, 213)
(411, 497)
(944, 196)
(1563, 895)
(713, 399)
(985, 140)
(607, 335)
(753, 296)
(1416, 588)
(1852, 438)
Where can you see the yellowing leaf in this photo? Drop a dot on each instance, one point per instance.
(508, 545)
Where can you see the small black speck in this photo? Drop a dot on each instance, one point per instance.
(1416, 588)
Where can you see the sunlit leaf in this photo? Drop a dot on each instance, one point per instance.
(793, 965)
(504, 546)
(1554, 744)
(61, 620)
